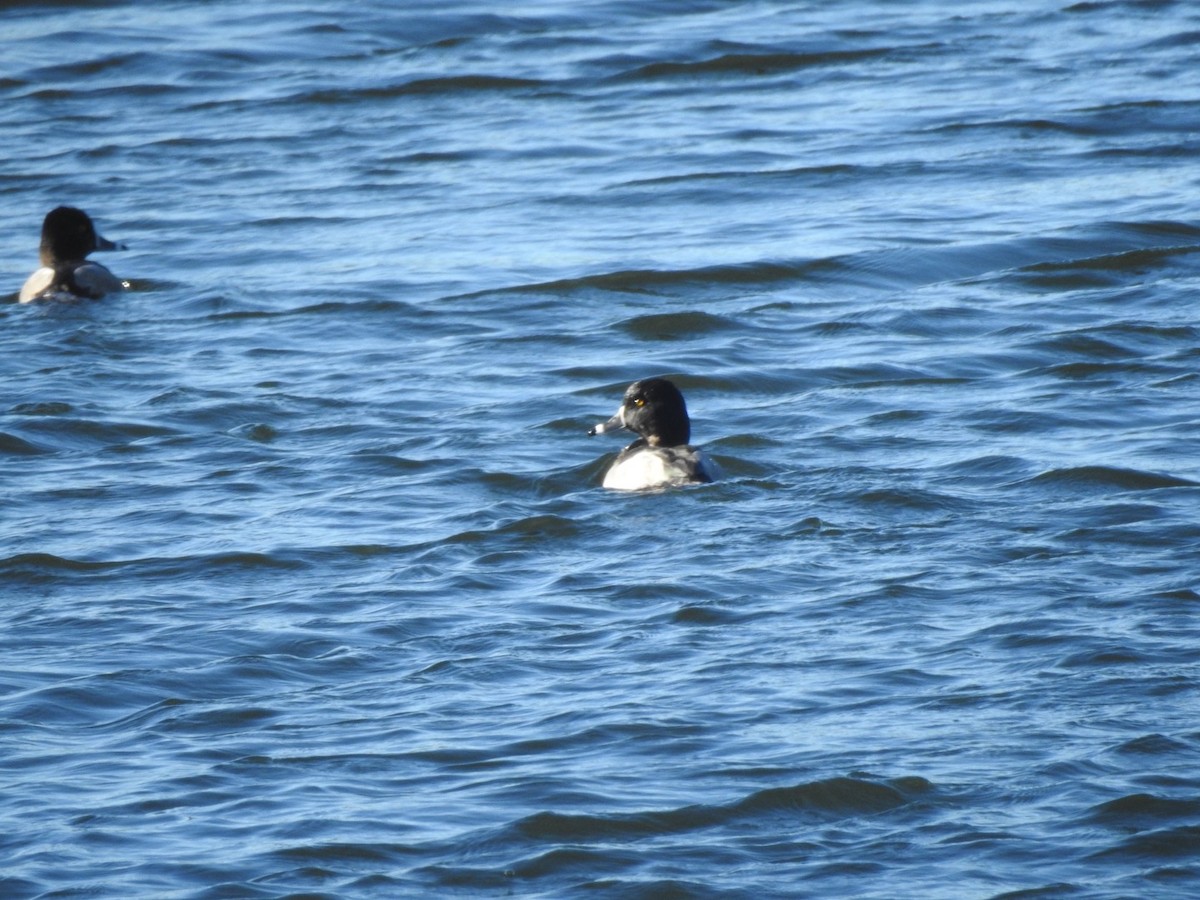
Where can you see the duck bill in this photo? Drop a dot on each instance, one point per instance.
(616, 423)
(103, 243)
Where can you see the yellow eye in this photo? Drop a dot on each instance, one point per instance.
(639, 402)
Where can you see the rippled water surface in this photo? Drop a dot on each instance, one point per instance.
(310, 588)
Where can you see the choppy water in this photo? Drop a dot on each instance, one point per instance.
(309, 585)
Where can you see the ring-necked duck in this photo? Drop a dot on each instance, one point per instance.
(68, 236)
(661, 456)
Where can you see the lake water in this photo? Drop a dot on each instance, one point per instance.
(310, 586)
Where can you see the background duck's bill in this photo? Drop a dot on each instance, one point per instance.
(103, 243)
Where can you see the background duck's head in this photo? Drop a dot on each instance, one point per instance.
(68, 233)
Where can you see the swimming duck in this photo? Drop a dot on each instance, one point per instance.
(68, 236)
(654, 409)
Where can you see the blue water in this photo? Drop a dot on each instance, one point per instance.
(310, 586)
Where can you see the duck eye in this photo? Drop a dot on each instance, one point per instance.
(639, 402)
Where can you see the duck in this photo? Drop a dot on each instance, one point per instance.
(661, 457)
(68, 236)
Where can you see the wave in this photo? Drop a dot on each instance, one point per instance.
(1153, 745)
(676, 325)
(35, 564)
(1128, 246)
(334, 309)
(1121, 261)
(1016, 124)
(1164, 844)
(527, 529)
(647, 280)
(1111, 477)
(1105, 269)
(1142, 811)
(40, 567)
(832, 798)
(839, 169)
(12, 445)
(63, 433)
(753, 63)
(1186, 39)
(1116, 120)
(450, 84)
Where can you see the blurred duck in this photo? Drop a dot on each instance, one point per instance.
(68, 236)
